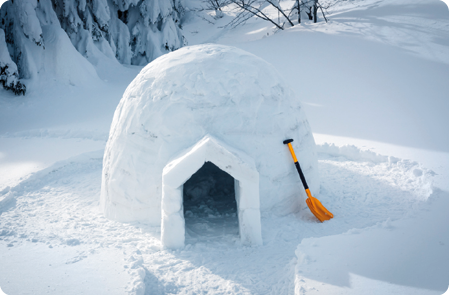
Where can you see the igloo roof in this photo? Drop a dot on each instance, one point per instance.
(182, 96)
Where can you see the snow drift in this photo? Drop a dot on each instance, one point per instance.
(202, 90)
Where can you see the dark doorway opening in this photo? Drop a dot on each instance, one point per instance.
(210, 208)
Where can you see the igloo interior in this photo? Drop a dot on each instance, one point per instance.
(210, 207)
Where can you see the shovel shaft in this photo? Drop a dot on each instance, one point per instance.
(301, 175)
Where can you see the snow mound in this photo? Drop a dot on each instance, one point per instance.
(196, 91)
(60, 59)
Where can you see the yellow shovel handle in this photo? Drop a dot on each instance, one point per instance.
(298, 168)
(290, 147)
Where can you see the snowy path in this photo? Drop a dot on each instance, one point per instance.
(57, 209)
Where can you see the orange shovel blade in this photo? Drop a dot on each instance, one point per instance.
(318, 209)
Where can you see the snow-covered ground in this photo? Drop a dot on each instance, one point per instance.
(373, 82)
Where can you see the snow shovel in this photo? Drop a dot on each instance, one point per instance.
(314, 204)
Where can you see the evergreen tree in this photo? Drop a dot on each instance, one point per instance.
(130, 31)
(9, 77)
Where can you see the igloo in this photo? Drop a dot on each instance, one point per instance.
(206, 104)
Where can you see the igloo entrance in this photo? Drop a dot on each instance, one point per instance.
(210, 208)
(236, 164)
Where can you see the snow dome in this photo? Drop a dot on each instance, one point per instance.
(206, 120)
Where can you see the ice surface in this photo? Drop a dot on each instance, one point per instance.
(181, 97)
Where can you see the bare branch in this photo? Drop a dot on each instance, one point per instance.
(254, 10)
(281, 11)
(321, 8)
(251, 8)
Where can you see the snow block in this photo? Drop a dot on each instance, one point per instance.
(249, 226)
(245, 188)
(198, 103)
(173, 230)
(171, 199)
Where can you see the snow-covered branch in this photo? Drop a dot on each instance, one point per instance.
(9, 76)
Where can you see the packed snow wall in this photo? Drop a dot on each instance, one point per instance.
(196, 91)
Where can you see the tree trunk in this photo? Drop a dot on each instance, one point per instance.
(299, 11)
(315, 10)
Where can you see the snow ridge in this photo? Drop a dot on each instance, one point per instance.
(399, 172)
